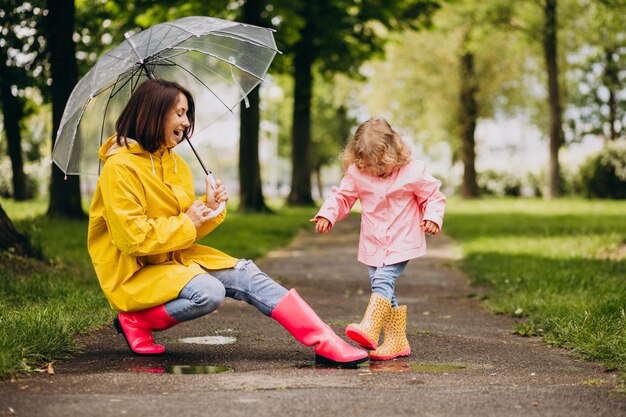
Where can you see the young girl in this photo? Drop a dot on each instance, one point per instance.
(400, 202)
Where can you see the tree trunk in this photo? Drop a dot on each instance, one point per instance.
(65, 199)
(250, 183)
(554, 98)
(300, 193)
(12, 115)
(611, 74)
(468, 117)
(12, 241)
(250, 186)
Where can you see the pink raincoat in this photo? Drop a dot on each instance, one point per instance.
(392, 210)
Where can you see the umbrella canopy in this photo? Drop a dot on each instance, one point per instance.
(218, 61)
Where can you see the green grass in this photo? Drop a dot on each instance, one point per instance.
(44, 306)
(558, 265)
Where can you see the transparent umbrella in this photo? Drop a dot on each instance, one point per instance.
(218, 61)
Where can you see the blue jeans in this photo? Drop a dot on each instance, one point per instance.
(383, 280)
(245, 282)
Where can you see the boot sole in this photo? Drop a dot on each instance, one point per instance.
(120, 329)
(402, 354)
(322, 360)
(360, 338)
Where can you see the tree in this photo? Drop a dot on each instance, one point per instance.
(550, 49)
(437, 85)
(65, 198)
(12, 241)
(337, 36)
(598, 81)
(468, 118)
(250, 183)
(20, 58)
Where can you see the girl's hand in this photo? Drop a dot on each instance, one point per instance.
(198, 213)
(430, 227)
(215, 195)
(322, 225)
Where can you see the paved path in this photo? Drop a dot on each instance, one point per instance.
(465, 361)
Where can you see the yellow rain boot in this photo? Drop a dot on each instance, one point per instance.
(395, 343)
(367, 332)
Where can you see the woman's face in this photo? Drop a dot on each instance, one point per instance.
(177, 121)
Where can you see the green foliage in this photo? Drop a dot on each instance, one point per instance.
(418, 85)
(499, 183)
(597, 103)
(559, 264)
(604, 175)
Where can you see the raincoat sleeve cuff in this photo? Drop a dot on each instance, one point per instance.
(210, 225)
(328, 214)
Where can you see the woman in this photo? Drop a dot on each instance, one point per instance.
(143, 224)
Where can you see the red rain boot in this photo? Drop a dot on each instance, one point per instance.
(136, 327)
(295, 315)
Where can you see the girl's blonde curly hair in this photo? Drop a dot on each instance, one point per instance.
(374, 146)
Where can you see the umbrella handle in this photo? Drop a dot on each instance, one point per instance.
(221, 206)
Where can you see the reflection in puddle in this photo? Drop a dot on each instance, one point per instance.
(195, 369)
(181, 369)
(313, 365)
(148, 369)
(436, 367)
(403, 365)
(397, 365)
(210, 340)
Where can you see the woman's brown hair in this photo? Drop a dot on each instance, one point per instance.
(145, 114)
(375, 144)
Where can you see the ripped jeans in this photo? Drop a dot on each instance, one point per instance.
(244, 282)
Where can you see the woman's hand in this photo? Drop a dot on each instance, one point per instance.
(322, 225)
(198, 213)
(430, 227)
(215, 194)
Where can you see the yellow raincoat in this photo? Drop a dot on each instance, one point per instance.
(140, 240)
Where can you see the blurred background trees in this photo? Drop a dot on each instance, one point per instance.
(449, 75)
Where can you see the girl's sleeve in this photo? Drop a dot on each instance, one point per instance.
(337, 206)
(131, 230)
(432, 202)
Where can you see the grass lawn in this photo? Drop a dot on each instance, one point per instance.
(44, 305)
(558, 265)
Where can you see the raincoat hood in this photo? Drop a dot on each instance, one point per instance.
(110, 147)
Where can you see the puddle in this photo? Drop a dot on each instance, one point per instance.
(195, 369)
(148, 369)
(210, 340)
(181, 369)
(436, 367)
(313, 365)
(398, 365)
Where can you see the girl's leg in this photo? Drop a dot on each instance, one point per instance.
(202, 295)
(383, 280)
(246, 282)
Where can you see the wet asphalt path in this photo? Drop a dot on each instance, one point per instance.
(464, 362)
